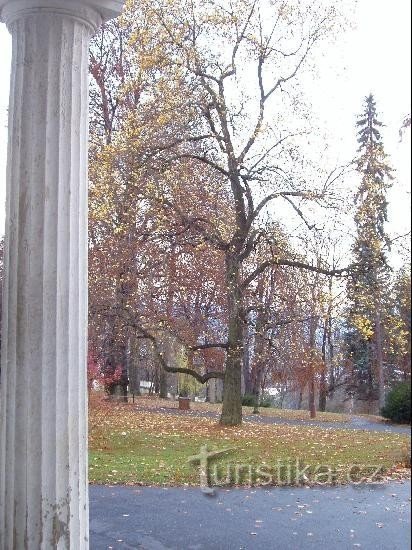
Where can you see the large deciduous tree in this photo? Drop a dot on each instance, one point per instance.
(198, 133)
(237, 63)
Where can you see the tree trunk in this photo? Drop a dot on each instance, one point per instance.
(134, 363)
(332, 381)
(323, 391)
(232, 392)
(156, 381)
(379, 359)
(163, 384)
(124, 382)
(125, 392)
(300, 398)
(232, 396)
(370, 377)
(323, 385)
(312, 345)
(312, 405)
(246, 361)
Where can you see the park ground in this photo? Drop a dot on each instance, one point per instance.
(367, 517)
(149, 443)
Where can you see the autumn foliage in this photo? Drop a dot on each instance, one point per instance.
(193, 270)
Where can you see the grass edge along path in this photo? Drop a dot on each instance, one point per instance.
(146, 402)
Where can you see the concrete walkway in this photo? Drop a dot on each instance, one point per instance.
(356, 422)
(372, 517)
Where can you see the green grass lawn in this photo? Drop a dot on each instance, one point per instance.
(144, 447)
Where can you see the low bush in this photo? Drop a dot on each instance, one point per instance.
(249, 400)
(266, 402)
(398, 403)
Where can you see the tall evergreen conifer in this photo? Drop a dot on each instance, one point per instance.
(371, 275)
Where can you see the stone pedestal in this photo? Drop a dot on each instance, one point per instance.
(184, 403)
(43, 446)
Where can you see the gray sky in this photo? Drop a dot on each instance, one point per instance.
(375, 57)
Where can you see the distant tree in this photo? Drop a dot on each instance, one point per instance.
(405, 125)
(369, 284)
(1, 283)
(399, 326)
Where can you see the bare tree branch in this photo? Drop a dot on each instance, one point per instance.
(177, 370)
(221, 345)
(294, 263)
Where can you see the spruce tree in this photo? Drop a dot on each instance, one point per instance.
(371, 273)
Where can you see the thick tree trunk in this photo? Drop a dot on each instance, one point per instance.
(232, 392)
(232, 396)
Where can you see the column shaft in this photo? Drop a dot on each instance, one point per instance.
(43, 475)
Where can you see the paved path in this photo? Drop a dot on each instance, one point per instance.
(373, 517)
(356, 422)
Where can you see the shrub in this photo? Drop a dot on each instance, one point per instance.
(184, 391)
(249, 400)
(398, 403)
(266, 402)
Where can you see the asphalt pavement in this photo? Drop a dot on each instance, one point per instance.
(370, 517)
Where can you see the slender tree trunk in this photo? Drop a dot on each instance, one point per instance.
(379, 359)
(300, 398)
(312, 405)
(259, 350)
(156, 381)
(323, 391)
(370, 377)
(124, 382)
(170, 355)
(332, 381)
(246, 361)
(312, 344)
(232, 391)
(134, 362)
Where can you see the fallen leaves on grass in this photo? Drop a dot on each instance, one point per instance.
(151, 402)
(132, 446)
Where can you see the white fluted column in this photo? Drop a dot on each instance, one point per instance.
(43, 466)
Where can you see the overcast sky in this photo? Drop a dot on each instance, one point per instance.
(375, 57)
